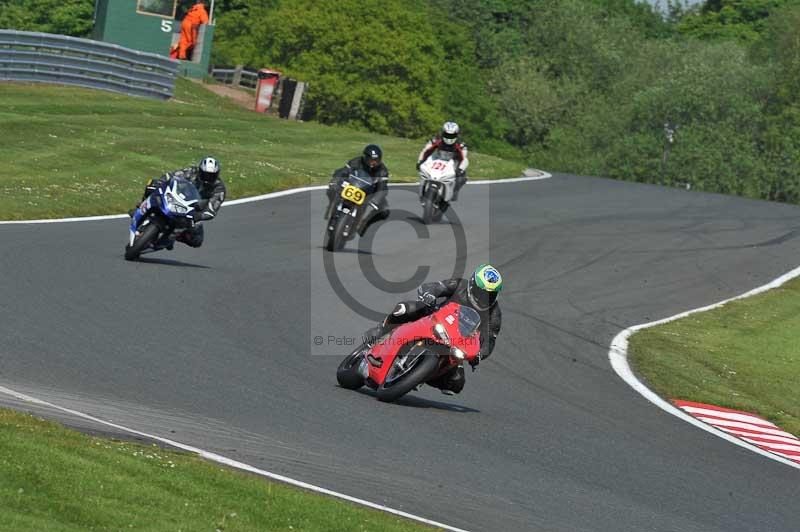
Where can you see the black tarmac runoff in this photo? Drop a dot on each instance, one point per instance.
(233, 348)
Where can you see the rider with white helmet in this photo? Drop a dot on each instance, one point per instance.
(205, 177)
(449, 139)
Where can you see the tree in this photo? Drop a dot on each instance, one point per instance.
(742, 20)
(374, 64)
(640, 15)
(64, 17)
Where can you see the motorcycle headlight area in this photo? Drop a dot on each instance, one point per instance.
(458, 353)
(441, 333)
(174, 206)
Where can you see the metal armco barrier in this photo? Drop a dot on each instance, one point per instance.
(45, 57)
(288, 98)
(238, 77)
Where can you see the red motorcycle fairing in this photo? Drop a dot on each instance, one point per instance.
(381, 358)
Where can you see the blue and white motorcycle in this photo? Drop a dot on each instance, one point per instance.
(166, 212)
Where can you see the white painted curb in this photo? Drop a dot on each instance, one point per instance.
(535, 175)
(618, 356)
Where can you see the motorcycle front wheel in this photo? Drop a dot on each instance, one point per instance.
(429, 208)
(335, 239)
(424, 367)
(140, 243)
(347, 373)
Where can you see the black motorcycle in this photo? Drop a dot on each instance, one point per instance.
(347, 209)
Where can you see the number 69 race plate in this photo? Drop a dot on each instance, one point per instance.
(354, 194)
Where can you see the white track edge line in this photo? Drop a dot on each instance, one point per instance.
(208, 455)
(618, 356)
(544, 175)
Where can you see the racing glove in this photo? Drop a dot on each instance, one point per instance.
(419, 163)
(475, 361)
(460, 172)
(428, 298)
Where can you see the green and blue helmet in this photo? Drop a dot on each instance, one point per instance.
(484, 286)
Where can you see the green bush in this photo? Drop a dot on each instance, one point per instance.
(374, 64)
(742, 20)
(64, 17)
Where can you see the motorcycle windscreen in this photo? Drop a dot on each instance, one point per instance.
(442, 155)
(362, 180)
(185, 190)
(468, 321)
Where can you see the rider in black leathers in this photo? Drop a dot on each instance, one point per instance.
(204, 176)
(466, 292)
(370, 161)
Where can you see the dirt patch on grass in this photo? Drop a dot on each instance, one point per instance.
(240, 97)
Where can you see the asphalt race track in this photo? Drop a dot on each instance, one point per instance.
(213, 348)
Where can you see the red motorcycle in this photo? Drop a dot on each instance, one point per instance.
(414, 353)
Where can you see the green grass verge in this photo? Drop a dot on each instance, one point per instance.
(744, 355)
(75, 152)
(56, 479)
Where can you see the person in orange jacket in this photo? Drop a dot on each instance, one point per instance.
(196, 15)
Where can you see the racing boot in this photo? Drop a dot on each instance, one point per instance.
(167, 241)
(192, 237)
(371, 336)
(452, 382)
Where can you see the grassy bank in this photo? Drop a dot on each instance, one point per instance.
(73, 152)
(52, 478)
(744, 355)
